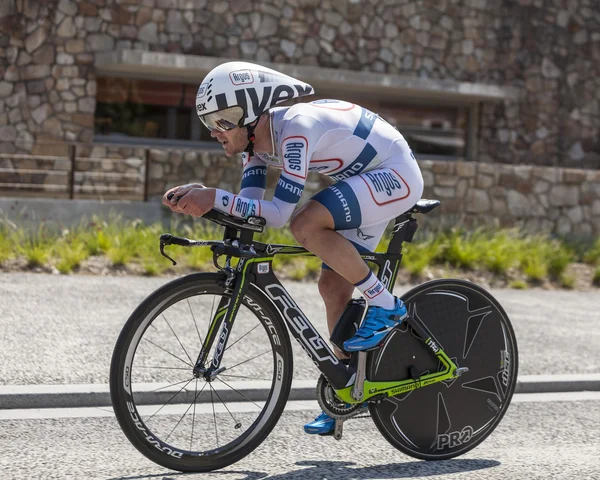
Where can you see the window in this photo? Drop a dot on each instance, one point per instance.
(128, 108)
(432, 131)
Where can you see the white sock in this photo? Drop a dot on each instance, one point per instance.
(375, 292)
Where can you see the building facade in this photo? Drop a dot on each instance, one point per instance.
(512, 82)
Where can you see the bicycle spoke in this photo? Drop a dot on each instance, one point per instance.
(194, 412)
(165, 368)
(185, 413)
(172, 385)
(169, 401)
(166, 351)
(244, 376)
(237, 424)
(238, 392)
(214, 414)
(194, 318)
(184, 350)
(250, 359)
(250, 331)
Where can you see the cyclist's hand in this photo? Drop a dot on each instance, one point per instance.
(196, 202)
(173, 195)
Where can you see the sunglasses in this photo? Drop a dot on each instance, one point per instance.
(223, 120)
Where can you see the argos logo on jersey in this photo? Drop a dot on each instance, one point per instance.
(294, 150)
(386, 186)
(243, 207)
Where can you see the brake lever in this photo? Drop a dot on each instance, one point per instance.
(165, 239)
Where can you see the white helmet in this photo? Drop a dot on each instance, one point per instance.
(235, 94)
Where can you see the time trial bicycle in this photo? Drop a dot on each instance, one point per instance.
(187, 363)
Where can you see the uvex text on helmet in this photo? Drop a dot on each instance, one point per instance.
(252, 87)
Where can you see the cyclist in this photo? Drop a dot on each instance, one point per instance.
(375, 172)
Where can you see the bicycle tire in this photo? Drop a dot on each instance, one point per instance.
(194, 289)
(447, 419)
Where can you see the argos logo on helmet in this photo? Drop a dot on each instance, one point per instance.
(202, 90)
(241, 77)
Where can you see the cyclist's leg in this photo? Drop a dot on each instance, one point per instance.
(361, 201)
(335, 290)
(375, 197)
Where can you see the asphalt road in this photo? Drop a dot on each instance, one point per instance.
(62, 329)
(542, 436)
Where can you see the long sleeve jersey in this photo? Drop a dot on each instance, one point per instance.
(332, 137)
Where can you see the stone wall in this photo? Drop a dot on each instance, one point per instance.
(536, 198)
(548, 49)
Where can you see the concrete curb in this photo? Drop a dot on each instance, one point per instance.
(98, 395)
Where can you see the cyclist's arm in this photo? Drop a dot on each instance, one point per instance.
(254, 177)
(296, 148)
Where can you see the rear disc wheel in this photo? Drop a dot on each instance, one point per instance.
(447, 419)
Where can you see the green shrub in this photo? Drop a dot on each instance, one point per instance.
(534, 267)
(422, 253)
(36, 247)
(70, 254)
(596, 278)
(518, 285)
(500, 252)
(567, 281)
(8, 242)
(592, 256)
(463, 250)
(558, 258)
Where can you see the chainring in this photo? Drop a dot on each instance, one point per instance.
(331, 404)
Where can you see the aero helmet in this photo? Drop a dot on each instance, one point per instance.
(235, 94)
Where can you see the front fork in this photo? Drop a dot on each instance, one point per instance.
(221, 325)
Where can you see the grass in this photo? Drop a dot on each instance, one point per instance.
(36, 248)
(70, 253)
(592, 255)
(508, 252)
(7, 238)
(518, 284)
(464, 249)
(567, 281)
(419, 255)
(596, 277)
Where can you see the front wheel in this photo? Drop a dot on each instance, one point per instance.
(187, 423)
(447, 419)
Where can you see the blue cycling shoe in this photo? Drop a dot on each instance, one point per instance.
(322, 425)
(377, 324)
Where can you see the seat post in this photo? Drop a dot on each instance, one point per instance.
(405, 227)
(404, 230)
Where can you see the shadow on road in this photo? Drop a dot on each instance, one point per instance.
(343, 471)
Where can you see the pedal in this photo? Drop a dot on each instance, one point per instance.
(337, 430)
(459, 371)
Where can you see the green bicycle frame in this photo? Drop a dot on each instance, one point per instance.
(256, 268)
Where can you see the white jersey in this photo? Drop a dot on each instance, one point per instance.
(332, 137)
